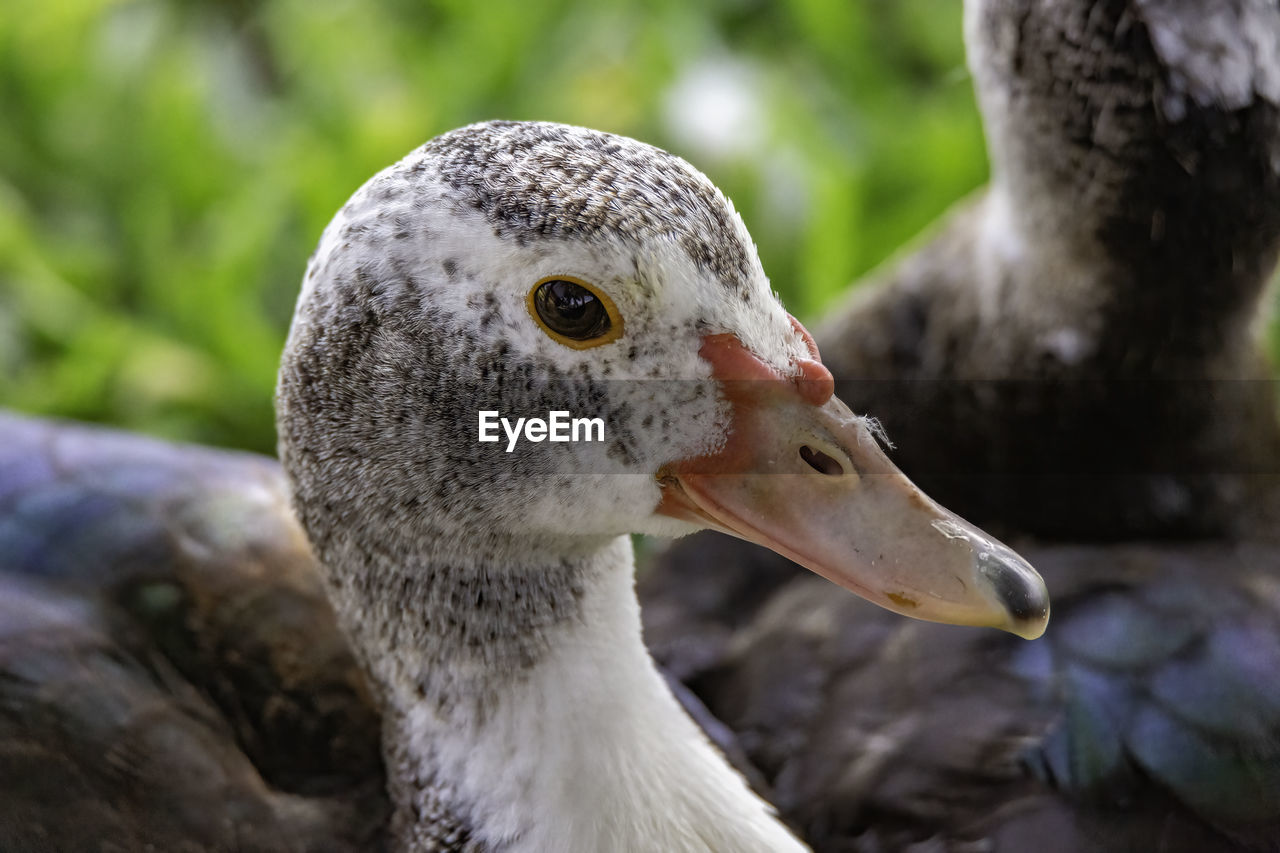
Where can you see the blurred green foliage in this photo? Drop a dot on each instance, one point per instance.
(166, 166)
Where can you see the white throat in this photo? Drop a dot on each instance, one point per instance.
(587, 751)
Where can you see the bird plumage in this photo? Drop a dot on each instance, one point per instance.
(1145, 719)
(170, 672)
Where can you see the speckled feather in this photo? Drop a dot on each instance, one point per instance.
(476, 583)
(533, 180)
(401, 337)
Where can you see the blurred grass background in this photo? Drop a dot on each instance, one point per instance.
(166, 166)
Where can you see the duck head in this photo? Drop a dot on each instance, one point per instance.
(525, 269)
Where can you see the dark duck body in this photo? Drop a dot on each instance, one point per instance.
(1145, 719)
(171, 675)
(1072, 359)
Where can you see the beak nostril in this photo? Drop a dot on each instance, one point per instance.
(821, 462)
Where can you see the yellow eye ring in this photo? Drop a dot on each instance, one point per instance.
(573, 312)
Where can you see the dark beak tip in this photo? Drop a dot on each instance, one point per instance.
(1029, 611)
(1021, 592)
(1029, 622)
(1027, 608)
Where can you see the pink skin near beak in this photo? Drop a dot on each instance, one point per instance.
(803, 476)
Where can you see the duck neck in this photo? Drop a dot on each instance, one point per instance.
(523, 712)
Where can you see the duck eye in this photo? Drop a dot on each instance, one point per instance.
(574, 313)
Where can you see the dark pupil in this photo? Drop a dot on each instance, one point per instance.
(571, 310)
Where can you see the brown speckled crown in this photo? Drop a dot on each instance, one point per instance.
(533, 180)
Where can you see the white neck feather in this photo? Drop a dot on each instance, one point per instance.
(590, 751)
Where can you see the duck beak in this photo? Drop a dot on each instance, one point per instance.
(803, 476)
